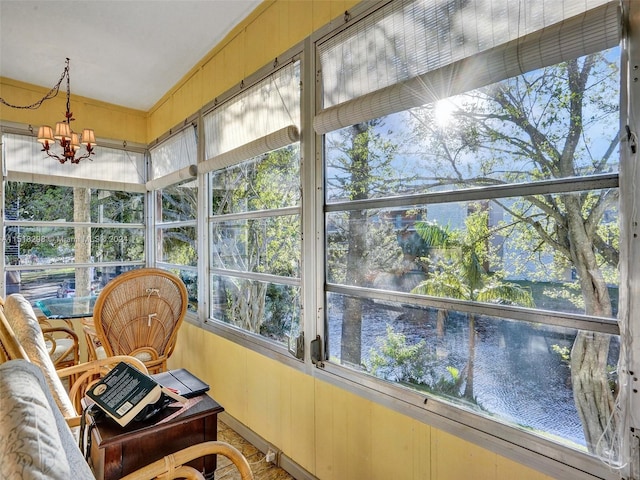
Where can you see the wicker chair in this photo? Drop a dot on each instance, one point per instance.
(62, 342)
(172, 466)
(11, 349)
(139, 313)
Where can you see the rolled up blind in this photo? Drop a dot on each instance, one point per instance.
(281, 138)
(183, 175)
(456, 70)
(257, 111)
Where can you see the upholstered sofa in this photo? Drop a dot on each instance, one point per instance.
(35, 440)
(37, 414)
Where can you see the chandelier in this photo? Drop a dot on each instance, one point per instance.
(67, 139)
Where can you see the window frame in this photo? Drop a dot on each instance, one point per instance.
(162, 176)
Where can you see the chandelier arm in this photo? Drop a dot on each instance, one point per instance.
(51, 94)
(69, 154)
(53, 155)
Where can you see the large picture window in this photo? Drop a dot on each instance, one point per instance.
(69, 241)
(471, 215)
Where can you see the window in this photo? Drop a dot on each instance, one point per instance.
(62, 239)
(254, 208)
(59, 236)
(471, 210)
(173, 166)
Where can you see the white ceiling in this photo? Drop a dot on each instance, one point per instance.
(125, 52)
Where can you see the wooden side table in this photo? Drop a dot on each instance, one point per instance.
(116, 451)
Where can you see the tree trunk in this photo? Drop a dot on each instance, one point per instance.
(351, 345)
(247, 304)
(441, 320)
(591, 391)
(468, 389)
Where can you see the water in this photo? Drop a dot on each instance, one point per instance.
(517, 375)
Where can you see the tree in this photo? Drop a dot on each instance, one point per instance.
(269, 245)
(362, 169)
(178, 203)
(30, 201)
(461, 273)
(554, 123)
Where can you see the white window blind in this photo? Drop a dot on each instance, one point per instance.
(185, 174)
(269, 106)
(176, 153)
(109, 168)
(411, 53)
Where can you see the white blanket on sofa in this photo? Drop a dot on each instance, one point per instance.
(35, 441)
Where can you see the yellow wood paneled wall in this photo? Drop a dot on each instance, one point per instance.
(331, 433)
(108, 121)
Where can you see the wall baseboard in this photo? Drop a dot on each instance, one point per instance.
(284, 462)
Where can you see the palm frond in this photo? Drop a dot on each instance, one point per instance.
(432, 234)
(508, 293)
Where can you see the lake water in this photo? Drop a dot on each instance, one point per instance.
(518, 377)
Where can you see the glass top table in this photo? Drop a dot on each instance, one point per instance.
(66, 308)
(69, 309)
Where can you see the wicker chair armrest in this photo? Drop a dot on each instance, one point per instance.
(63, 345)
(172, 466)
(66, 330)
(73, 421)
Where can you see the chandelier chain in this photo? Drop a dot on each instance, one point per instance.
(68, 89)
(51, 94)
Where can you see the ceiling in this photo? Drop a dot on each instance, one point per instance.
(125, 52)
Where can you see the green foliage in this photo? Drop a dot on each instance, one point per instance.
(563, 352)
(282, 312)
(398, 361)
(30, 201)
(460, 265)
(361, 166)
(267, 244)
(449, 386)
(51, 203)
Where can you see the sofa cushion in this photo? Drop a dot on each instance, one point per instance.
(35, 441)
(26, 327)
